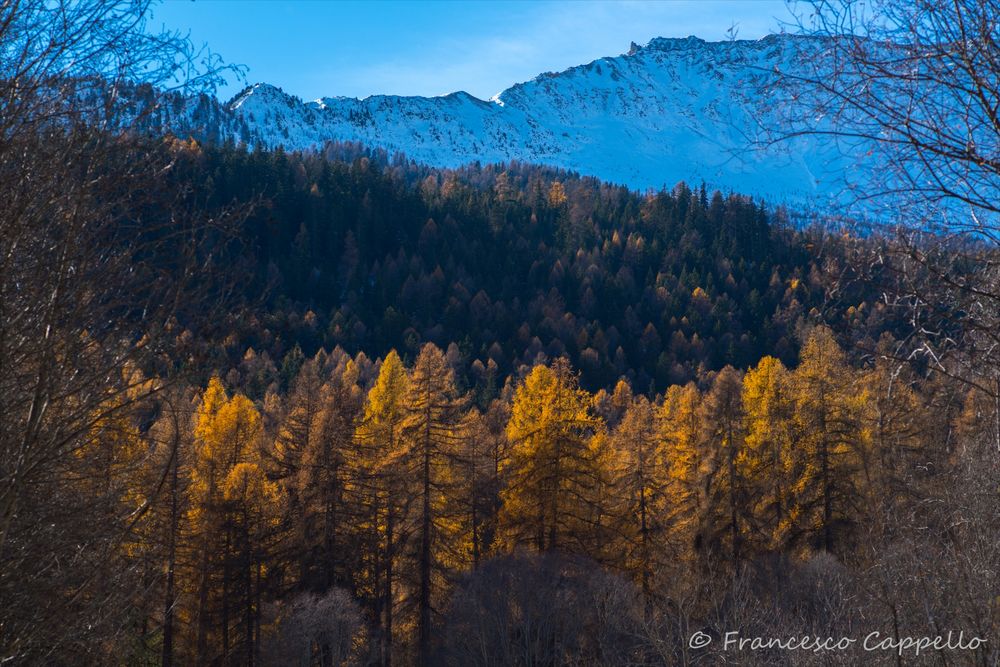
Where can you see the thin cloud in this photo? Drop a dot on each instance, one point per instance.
(554, 37)
(358, 50)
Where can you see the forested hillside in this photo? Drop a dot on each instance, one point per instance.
(374, 511)
(336, 408)
(512, 265)
(404, 428)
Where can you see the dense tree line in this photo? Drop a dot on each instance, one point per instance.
(278, 484)
(339, 408)
(372, 512)
(516, 264)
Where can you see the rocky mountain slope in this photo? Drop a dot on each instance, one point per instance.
(675, 109)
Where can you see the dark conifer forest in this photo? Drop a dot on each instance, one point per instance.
(335, 407)
(511, 265)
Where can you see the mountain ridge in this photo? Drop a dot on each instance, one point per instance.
(674, 109)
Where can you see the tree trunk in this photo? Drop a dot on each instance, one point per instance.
(475, 530)
(389, 555)
(203, 618)
(827, 492)
(424, 635)
(225, 602)
(734, 527)
(644, 536)
(167, 658)
(248, 582)
(256, 616)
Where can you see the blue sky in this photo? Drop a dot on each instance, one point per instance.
(317, 49)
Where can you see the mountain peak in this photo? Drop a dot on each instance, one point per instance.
(673, 43)
(260, 91)
(675, 109)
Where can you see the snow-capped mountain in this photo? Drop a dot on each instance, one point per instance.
(675, 109)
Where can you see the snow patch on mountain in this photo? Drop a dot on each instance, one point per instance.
(672, 110)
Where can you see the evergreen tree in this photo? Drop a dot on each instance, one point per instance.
(831, 441)
(227, 432)
(553, 474)
(679, 429)
(379, 434)
(431, 435)
(641, 486)
(767, 458)
(727, 496)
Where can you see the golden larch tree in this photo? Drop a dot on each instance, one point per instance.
(641, 489)
(766, 460)
(831, 440)
(553, 475)
(727, 496)
(431, 433)
(381, 476)
(679, 430)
